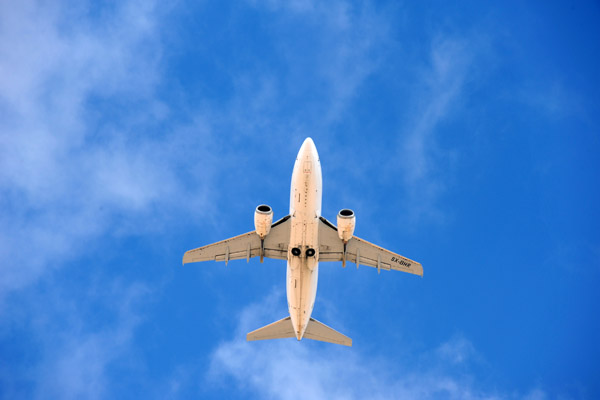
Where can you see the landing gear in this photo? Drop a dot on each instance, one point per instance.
(309, 252)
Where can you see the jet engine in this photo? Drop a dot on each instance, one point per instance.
(263, 218)
(345, 224)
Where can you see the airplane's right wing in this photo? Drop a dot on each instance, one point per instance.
(245, 246)
(359, 251)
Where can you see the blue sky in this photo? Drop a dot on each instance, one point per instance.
(463, 135)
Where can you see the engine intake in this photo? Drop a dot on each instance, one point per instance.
(263, 218)
(345, 224)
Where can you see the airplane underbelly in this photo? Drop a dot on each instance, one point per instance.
(301, 293)
(302, 271)
(305, 209)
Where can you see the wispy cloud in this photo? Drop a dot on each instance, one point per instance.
(425, 166)
(553, 99)
(69, 163)
(457, 350)
(84, 138)
(77, 357)
(71, 339)
(336, 48)
(285, 369)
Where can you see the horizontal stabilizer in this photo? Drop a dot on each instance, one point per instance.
(284, 329)
(277, 330)
(319, 331)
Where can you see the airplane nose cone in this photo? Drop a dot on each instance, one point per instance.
(308, 149)
(308, 142)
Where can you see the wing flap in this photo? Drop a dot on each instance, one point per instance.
(277, 241)
(269, 253)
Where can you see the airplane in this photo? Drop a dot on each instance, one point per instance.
(303, 238)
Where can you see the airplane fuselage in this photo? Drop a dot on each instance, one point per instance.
(305, 210)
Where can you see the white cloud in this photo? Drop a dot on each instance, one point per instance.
(285, 369)
(51, 70)
(68, 167)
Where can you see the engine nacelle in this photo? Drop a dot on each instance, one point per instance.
(263, 218)
(345, 224)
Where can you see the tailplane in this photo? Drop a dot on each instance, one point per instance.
(319, 331)
(277, 330)
(315, 330)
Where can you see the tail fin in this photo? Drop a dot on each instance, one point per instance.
(277, 330)
(319, 331)
(315, 330)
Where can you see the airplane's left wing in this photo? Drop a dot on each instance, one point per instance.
(359, 251)
(245, 246)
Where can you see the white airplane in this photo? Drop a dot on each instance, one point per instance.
(303, 238)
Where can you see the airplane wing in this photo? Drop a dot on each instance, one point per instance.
(359, 251)
(245, 246)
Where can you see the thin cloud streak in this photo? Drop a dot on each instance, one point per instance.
(426, 167)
